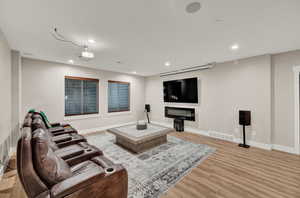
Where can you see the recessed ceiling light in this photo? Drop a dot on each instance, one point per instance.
(235, 47)
(71, 61)
(92, 41)
(167, 63)
(134, 72)
(193, 7)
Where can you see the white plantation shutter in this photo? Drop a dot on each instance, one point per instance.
(118, 96)
(81, 96)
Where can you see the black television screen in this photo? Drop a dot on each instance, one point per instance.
(181, 91)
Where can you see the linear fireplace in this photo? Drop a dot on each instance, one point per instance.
(180, 114)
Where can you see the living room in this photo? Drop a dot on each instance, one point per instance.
(149, 99)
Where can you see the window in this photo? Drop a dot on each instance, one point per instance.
(118, 96)
(81, 96)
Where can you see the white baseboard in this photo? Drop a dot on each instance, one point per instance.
(228, 137)
(286, 149)
(222, 136)
(255, 144)
(92, 130)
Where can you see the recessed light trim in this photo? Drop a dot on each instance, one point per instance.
(92, 41)
(167, 64)
(235, 47)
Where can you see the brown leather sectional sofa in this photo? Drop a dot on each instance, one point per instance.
(60, 163)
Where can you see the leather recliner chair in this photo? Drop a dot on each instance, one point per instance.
(45, 175)
(62, 139)
(47, 123)
(52, 125)
(72, 154)
(70, 147)
(54, 130)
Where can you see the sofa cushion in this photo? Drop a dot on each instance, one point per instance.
(47, 137)
(38, 123)
(48, 165)
(27, 122)
(36, 115)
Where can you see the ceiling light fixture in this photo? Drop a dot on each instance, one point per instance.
(134, 72)
(71, 61)
(167, 63)
(92, 41)
(85, 55)
(235, 47)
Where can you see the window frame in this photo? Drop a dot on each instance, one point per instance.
(83, 79)
(129, 91)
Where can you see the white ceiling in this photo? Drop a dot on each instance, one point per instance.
(143, 34)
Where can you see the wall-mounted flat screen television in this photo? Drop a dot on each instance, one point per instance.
(181, 91)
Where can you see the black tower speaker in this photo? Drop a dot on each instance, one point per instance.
(147, 110)
(147, 107)
(245, 120)
(179, 125)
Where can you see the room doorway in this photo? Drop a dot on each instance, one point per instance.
(297, 108)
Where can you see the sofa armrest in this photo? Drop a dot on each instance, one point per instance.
(67, 154)
(76, 182)
(58, 124)
(55, 124)
(56, 129)
(94, 185)
(61, 130)
(61, 138)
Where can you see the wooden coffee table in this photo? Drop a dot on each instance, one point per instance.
(138, 141)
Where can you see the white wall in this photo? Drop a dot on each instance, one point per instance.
(263, 84)
(16, 120)
(43, 88)
(6, 139)
(5, 87)
(224, 90)
(283, 100)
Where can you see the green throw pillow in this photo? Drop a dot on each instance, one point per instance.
(45, 119)
(31, 111)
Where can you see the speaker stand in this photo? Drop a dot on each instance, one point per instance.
(147, 117)
(244, 145)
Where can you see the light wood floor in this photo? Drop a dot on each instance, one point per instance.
(233, 172)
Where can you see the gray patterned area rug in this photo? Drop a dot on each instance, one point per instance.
(153, 172)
